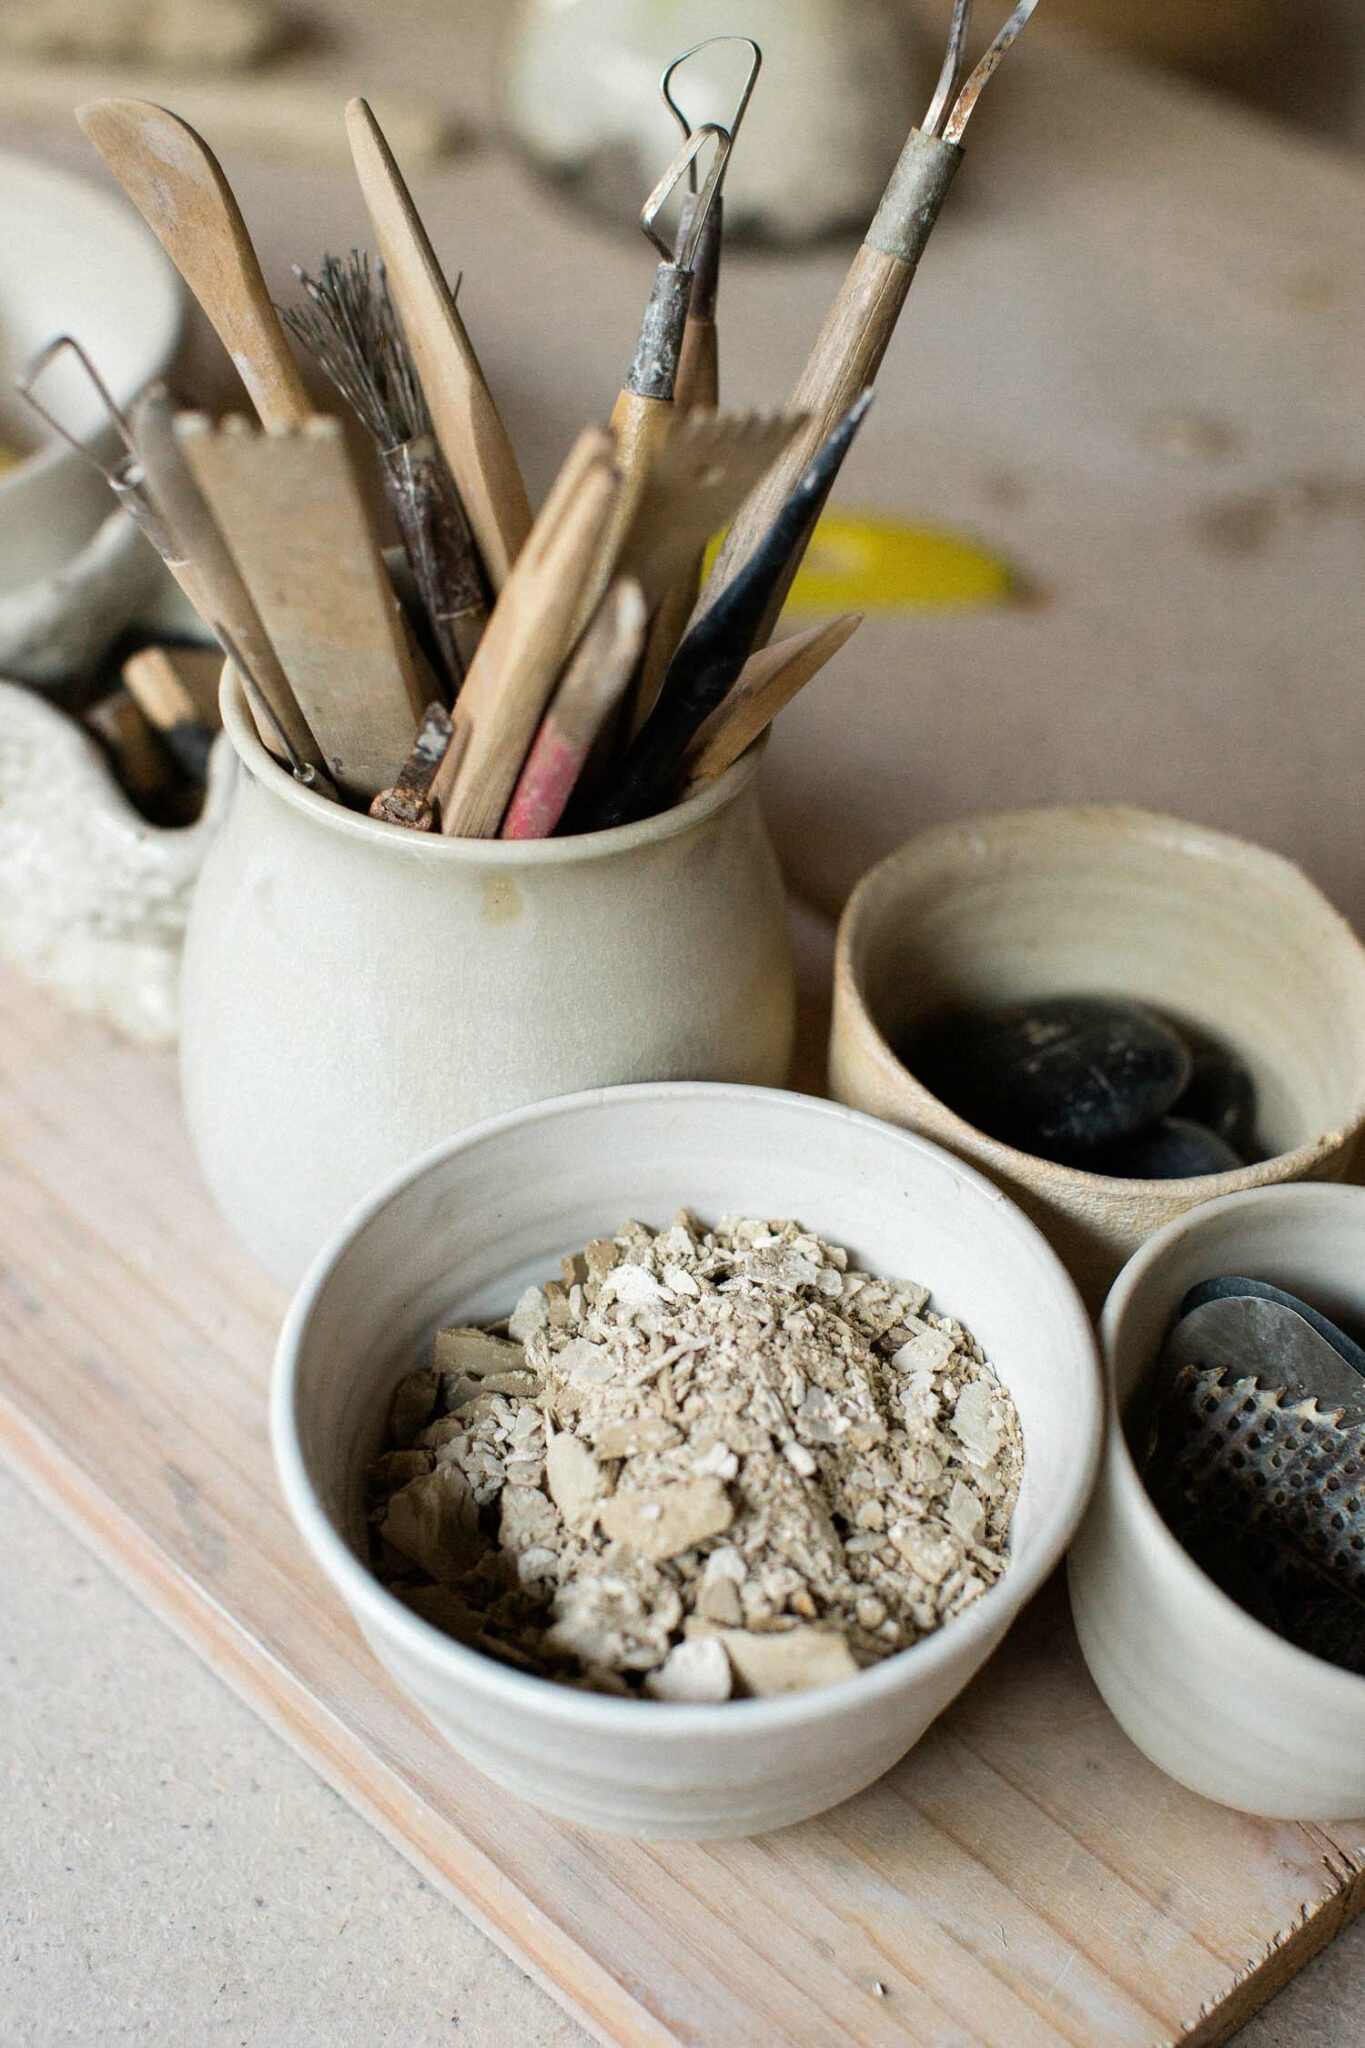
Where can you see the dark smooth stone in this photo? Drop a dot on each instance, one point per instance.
(1171, 1149)
(1237, 1287)
(1060, 1077)
(1222, 1096)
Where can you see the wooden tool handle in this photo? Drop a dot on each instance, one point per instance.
(467, 423)
(177, 185)
(767, 683)
(844, 362)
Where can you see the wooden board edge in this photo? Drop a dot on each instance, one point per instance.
(521, 1930)
(1289, 1952)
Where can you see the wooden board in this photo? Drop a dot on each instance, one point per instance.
(1023, 1880)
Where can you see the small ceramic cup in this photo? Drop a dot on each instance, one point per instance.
(1225, 939)
(353, 991)
(460, 1233)
(1213, 1697)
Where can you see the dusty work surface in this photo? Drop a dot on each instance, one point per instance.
(1024, 1876)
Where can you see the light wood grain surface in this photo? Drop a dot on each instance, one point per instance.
(1023, 1876)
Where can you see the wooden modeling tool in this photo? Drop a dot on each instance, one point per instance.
(351, 329)
(468, 428)
(409, 800)
(594, 683)
(767, 683)
(703, 470)
(216, 588)
(860, 323)
(715, 650)
(301, 532)
(139, 757)
(175, 182)
(176, 690)
(529, 638)
(314, 778)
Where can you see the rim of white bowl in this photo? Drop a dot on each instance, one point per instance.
(572, 849)
(364, 1593)
(1350, 1685)
(161, 299)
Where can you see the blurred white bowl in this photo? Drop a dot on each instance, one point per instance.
(73, 260)
(458, 1235)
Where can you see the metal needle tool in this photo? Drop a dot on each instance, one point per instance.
(860, 323)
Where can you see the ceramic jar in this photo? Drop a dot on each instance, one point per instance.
(1226, 940)
(1211, 1695)
(354, 992)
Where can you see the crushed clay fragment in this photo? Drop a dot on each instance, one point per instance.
(704, 1464)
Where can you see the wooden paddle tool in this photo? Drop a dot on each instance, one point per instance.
(175, 182)
(594, 683)
(468, 427)
(767, 683)
(302, 535)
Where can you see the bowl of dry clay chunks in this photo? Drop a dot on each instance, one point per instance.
(683, 1449)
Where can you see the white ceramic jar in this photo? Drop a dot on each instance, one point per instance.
(354, 992)
(1211, 1695)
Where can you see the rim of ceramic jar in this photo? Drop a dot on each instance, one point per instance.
(160, 300)
(679, 818)
(368, 1597)
(1120, 1467)
(866, 910)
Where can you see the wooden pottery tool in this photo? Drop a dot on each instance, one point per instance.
(409, 800)
(699, 474)
(594, 683)
(176, 690)
(301, 532)
(767, 683)
(352, 331)
(718, 645)
(215, 586)
(140, 760)
(860, 323)
(468, 428)
(175, 182)
(529, 637)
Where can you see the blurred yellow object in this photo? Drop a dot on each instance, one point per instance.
(879, 565)
(10, 458)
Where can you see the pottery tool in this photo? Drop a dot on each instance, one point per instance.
(175, 182)
(468, 428)
(767, 684)
(409, 800)
(176, 690)
(352, 331)
(593, 685)
(215, 587)
(312, 777)
(698, 374)
(702, 470)
(860, 323)
(294, 514)
(141, 762)
(529, 637)
(719, 644)
(1250, 1326)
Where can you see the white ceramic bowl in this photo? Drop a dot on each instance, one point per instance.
(73, 260)
(464, 1229)
(1212, 1696)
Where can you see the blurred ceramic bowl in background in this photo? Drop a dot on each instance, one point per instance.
(73, 260)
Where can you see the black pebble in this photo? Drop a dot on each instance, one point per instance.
(1222, 1095)
(1172, 1149)
(1061, 1077)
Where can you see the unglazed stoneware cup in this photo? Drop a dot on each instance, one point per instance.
(459, 1234)
(1212, 1696)
(1227, 940)
(354, 991)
